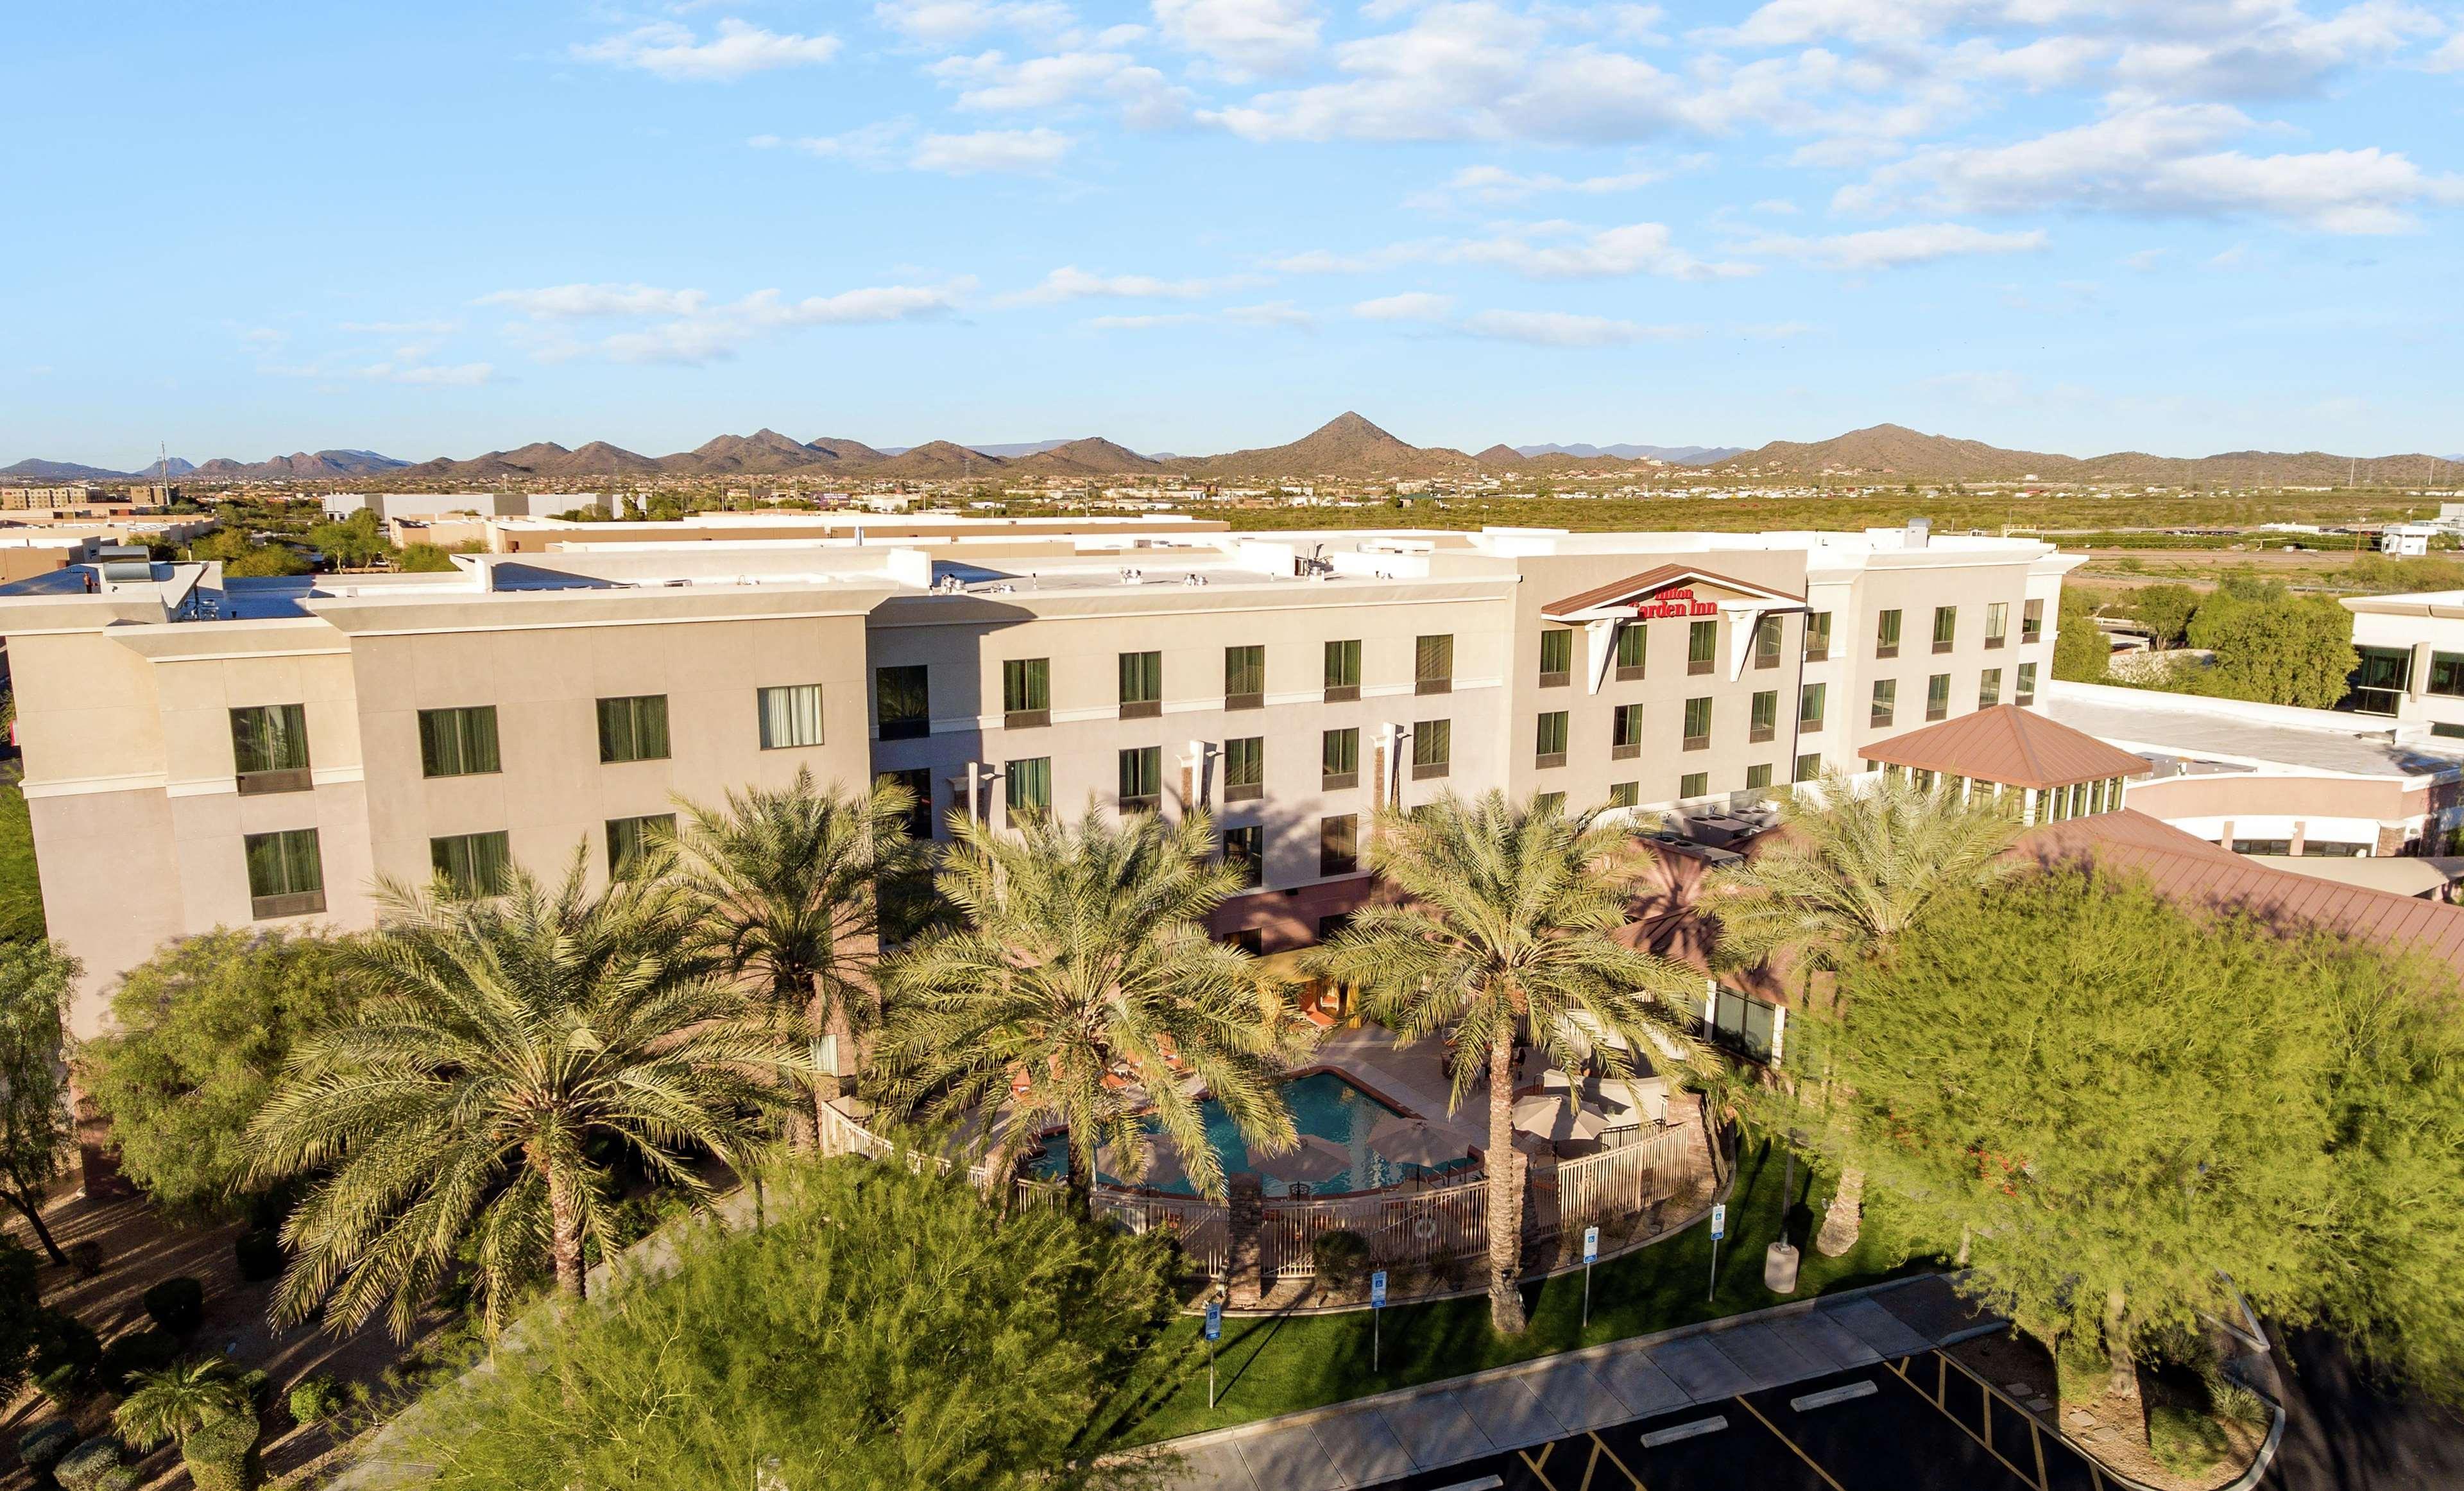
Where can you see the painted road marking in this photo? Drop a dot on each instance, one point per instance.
(1846, 1393)
(1814, 1464)
(1484, 1484)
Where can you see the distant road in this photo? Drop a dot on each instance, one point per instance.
(2344, 1434)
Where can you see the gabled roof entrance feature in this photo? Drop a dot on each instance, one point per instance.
(2006, 744)
(1619, 598)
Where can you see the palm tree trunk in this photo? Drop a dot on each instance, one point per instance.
(1505, 1191)
(34, 1218)
(1842, 1219)
(564, 1219)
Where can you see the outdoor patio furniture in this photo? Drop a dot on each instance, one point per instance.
(1557, 1116)
(1313, 1159)
(1415, 1141)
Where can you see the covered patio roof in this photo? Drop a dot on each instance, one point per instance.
(2006, 744)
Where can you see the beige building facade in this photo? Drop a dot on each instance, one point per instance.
(203, 752)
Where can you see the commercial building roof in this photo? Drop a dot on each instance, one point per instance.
(2006, 744)
(2196, 727)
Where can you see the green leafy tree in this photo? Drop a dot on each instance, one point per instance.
(427, 558)
(471, 1094)
(1080, 989)
(791, 876)
(1503, 935)
(1858, 866)
(198, 1034)
(2166, 611)
(355, 543)
(2123, 1105)
(35, 1129)
(882, 1330)
(2273, 646)
(2082, 655)
(266, 560)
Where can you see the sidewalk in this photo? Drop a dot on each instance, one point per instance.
(1417, 1429)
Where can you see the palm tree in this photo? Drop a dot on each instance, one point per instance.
(1505, 933)
(792, 877)
(1081, 989)
(471, 1094)
(177, 1401)
(1855, 865)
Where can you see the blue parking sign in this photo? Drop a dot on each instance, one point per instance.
(1214, 1319)
(1591, 1244)
(1719, 1221)
(1377, 1290)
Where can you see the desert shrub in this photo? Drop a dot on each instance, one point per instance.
(86, 1256)
(177, 1304)
(2184, 1440)
(1341, 1258)
(46, 1442)
(316, 1399)
(2082, 1369)
(82, 1468)
(258, 1251)
(120, 1477)
(140, 1351)
(221, 1456)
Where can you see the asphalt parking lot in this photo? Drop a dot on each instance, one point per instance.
(1913, 1423)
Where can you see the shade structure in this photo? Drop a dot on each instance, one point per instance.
(1415, 1141)
(1555, 1116)
(1163, 1164)
(1313, 1159)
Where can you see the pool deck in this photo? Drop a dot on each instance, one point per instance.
(1412, 1078)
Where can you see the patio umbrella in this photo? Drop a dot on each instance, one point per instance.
(1415, 1141)
(1164, 1168)
(1554, 1116)
(1313, 1159)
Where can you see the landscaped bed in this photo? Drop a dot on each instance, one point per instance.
(2187, 1442)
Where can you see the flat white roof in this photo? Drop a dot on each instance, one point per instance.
(2196, 728)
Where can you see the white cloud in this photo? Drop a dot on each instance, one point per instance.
(738, 48)
(880, 146)
(686, 326)
(2449, 58)
(1890, 248)
(565, 303)
(1496, 185)
(460, 375)
(1561, 328)
(1272, 313)
(2161, 159)
(1027, 150)
(1329, 262)
(1243, 36)
(1634, 249)
(1411, 305)
(1147, 323)
(942, 22)
(2267, 49)
(1073, 283)
(992, 82)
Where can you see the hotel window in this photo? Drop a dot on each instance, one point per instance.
(791, 714)
(1631, 648)
(1886, 698)
(629, 840)
(1694, 784)
(2032, 621)
(1808, 765)
(1141, 685)
(2025, 690)
(1433, 749)
(1342, 671)
(2325, 849)
(2379, 683)
(1997, 623)
(458, 741)
(1702, 645)
(1810, 701)
(1245, 850)
(473, 864)
(1766, 642)
(1549, 748)
(1556, 657)
(1763, 722)
(1026, 790)
(1758, 778)
(1338, 844)
(1743, 1025)
(269, 749)
(1624, 794)
(1553, 803)
(1946, 627)
(1433, 665)
(1338, 759)
(917, 780)
(2262, 846)
(1026, 693)
(286, 874)
(902, 698)
(1938, 695)
(1989, 688)
(2446, 674)
(1142, 778)
(1244, 677)
(633, 728)
(1817, 637)
(1625, 732)
(1250, 939)
(1244, 769)
(1698, 724)
(1887, 635)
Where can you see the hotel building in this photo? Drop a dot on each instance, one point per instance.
(202, 752)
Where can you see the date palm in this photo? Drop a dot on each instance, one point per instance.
(1505, 933)
(1081, 989)
(177, 1401)
(501, 1043)
(792, 877)
(1855, 865)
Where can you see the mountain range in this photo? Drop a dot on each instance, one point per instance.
(1348, 446)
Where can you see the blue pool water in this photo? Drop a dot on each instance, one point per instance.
(1323, 1104)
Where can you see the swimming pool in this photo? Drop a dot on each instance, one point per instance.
(1324, 1103)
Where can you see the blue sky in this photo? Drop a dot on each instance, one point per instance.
(2079, 225)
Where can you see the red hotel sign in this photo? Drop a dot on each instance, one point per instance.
(1673, 603)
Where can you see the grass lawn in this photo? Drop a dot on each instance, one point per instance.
(21, 894)
(1280, 1365)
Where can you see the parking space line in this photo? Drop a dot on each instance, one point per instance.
(1546, 1451)
(1944, 1377)
(1602, 1446)
(1809, 1460)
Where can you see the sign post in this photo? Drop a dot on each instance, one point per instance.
(1213, 1331)
(1718, 1230)
(1591, 1256)
(1377, 1317)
